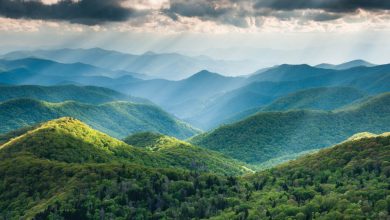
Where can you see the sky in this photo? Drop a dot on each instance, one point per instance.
(268, 31)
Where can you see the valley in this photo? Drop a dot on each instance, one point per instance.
(79, 141)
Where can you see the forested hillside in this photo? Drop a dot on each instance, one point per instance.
(71, 141)
(326, 98)
(118, 119)
(344, 181)
(84, 94)
(268, 135)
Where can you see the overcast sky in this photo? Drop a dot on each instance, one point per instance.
(273, 31)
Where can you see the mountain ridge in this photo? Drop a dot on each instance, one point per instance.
(115, 118)
(271, 134)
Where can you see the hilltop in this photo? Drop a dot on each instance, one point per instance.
(343, 181)
(118, 118)
(71, 141)
(61, 93)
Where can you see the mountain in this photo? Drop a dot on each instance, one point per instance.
(267, 135)
(325, 98)
(349, 180)
(306, 76)
(281, 81)
(171, 66)
(67, 154)
(84, 94)
(71, 141)
(288, 72)
(223, 107)
(270, 96)
(321, 98)
(118, 119)
(335, 183)
(52, 68)
(184, 97)
(47, 72)
(347, 65)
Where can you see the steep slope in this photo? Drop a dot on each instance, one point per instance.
(348, 181)
(84, 94)
(273, 134)
(328, 98)
(118, 119)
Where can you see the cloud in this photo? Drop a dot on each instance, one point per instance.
(326, 5)
(179, 14)
(88, 12)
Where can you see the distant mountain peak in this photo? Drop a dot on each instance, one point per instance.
(205, 73)
(346, 65)
(149, 53)
(290, 66)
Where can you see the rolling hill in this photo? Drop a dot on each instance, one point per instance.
(267, 135)
(349, 180)
(84, 94)
(71, 141)
(118, 119)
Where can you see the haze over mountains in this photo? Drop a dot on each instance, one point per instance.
(205, 99)
(172, 66)
(267, 135)
(97, 134)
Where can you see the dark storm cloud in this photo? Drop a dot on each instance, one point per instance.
(88, 12)
(235, 12)
(214, 10)
(327, 5)
(232, 12)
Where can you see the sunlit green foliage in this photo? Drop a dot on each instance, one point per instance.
(84, 94)
(69, 140)
(327, 98)
(117, 119)
(273, 134)
(348, 181)
(183, 154)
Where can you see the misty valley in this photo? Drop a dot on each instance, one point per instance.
(80, 141)
(194, 110)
